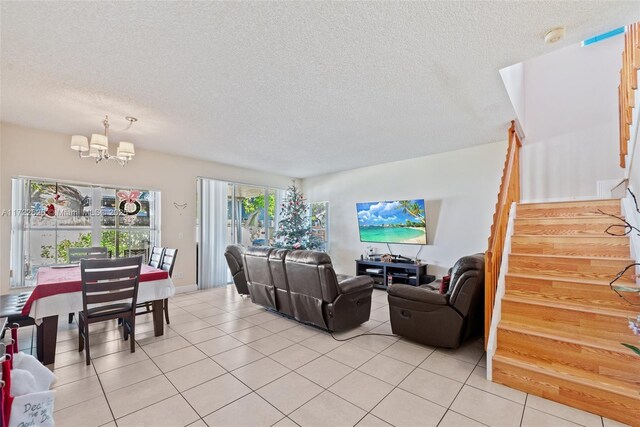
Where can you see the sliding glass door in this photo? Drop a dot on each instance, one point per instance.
(231, 213)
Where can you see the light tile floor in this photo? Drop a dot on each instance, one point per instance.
(224, 361)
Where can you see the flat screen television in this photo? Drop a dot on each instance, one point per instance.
(398, 221)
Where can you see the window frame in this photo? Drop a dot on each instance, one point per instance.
(22, 227)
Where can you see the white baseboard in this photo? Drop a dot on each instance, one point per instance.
(186, 288)
(492, 344)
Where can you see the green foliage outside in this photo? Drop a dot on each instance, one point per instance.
(135, 240)
(253, 204)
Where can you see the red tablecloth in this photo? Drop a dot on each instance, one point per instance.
(53, 281)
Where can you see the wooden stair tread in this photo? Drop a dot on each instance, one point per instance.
(597, 218)
(571, 236)
(570, 374)
(561, 327)
(575, 280)
(602, 343)
(570, 257)
(571, 203)
(572, 306)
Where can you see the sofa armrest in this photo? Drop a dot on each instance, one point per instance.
(355, 284)
(417, 294)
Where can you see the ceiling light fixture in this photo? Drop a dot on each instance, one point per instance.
(555, 35)
(98, 146)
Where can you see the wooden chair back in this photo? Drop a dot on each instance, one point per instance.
(155, 257)
(76, 254)
(109, 286)
(169, 260)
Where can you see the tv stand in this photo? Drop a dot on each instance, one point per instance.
(401, 272)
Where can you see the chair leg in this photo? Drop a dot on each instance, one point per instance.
(80, 334)
(87, 346)
(166, 310)
(70, 317)
(132, 325)
(125, 329)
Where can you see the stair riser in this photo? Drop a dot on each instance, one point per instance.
(592, 269)
(563, 210)
(583, 323)
(558, 291)
(605, 247)
(612, 405)
(620, 365)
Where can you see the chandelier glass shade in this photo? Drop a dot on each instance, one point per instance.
(98, 146)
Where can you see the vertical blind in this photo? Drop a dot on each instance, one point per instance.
(232, 213)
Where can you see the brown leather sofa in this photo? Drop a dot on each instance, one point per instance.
(303, 284)
(425, 315)
(233, 255)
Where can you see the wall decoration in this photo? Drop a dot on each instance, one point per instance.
(129, 206)
(180, 207)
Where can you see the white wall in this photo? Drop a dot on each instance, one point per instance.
(460, 189)
(37, 153)
(570, 120)
(513, 79)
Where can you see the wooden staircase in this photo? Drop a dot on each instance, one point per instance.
(561, 325)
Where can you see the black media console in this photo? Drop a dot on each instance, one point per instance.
(400, 272)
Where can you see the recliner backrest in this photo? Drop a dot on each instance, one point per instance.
(256, 268)
(311, 273)
(280, 282)
(467, 282)
(278, 272)
(233, 254)
(256, 265)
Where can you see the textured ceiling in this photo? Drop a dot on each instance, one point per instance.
(295, 88)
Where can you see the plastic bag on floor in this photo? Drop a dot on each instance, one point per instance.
(43, 376)
(33, 410)
(22, 382)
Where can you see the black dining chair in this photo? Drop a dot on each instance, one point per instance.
(109, 291)
(97, 252)
(155, 257)
(167, 263)
(76, 254)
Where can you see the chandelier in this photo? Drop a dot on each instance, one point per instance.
(98, 147)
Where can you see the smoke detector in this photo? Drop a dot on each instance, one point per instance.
(555, 35)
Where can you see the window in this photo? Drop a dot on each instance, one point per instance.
(50, 217)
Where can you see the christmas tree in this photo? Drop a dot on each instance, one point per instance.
(294, 227)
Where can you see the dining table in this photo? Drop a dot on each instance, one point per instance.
(58, 291)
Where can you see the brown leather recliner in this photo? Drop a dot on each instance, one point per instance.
(280, 284)
(303, 284)
(233, 255)
(425, 315)
(256, 268)
(319, 298)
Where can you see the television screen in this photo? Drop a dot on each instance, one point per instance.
(399, 221)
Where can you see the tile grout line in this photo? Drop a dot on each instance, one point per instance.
(458, 394)
(268, 356)
(526, 397)
(391, 391)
